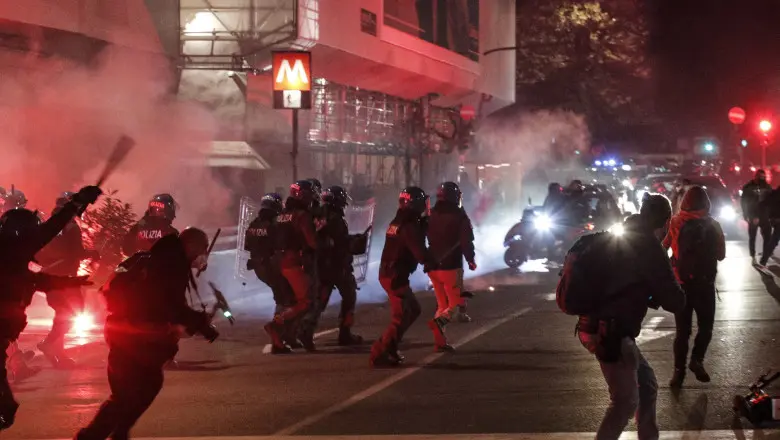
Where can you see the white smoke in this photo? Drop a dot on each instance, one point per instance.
(59, 122)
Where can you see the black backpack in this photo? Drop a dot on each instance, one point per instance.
(127, 283)
(585, 281)
(696, 261)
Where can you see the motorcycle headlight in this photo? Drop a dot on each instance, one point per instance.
(728, 213)
(542, 222)
(617, 229)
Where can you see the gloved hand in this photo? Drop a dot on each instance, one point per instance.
(87, 195)
(210, 333)
(472, 265)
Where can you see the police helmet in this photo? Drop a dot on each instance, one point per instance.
(304, 191)
(163, 205)
(413, 198)
(449, 191)
(271, 202)
(18, 223)
(554, 187)
(63, 198)
(336, 196)
(12, 199)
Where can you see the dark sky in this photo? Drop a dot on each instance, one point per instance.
(710, 55)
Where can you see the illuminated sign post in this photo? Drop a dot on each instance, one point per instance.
(292, 78)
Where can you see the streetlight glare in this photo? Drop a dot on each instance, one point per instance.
(709, 147)
(765, 125)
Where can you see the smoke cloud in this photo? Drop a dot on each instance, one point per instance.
(59, 122)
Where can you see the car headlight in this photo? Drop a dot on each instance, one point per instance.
(543, 222)
(617, 229)
(728, 213)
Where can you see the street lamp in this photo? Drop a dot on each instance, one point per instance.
(709, 147)
(765, 126)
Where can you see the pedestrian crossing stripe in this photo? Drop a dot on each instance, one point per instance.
(738, 434)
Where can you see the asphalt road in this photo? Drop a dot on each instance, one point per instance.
(518, 371)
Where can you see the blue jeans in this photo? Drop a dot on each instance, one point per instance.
(632, 391)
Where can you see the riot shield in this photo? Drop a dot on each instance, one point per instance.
(359, 217)
(246, 214)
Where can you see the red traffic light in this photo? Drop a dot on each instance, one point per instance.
(765, 126)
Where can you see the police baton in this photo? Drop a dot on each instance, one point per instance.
(118, 155)
(208, 252)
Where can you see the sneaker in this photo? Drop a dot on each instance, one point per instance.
(437, 327)
(753, 261)
(293, 344)
(677, 378)
(462, 315)
(384, 361)
(698, 370)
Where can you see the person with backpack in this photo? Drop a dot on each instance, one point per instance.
(610, 280)
(146, 302)
(451, 240)
(753, 195)
(697, 244)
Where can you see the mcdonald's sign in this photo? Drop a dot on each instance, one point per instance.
(292, 79)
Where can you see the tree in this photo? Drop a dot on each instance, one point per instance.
(104, 228)
(585, 56)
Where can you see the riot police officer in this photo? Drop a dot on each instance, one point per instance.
(260, 244)
(451, 240)
(295, 245)
(154, 225)
(145, 298)
(335, 267)
(63, 256)
(21, 237)
(404, 250)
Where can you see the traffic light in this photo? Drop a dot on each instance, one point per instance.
(765, 126)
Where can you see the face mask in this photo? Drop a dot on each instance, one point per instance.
(201, 262)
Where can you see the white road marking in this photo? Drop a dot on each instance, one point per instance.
(390, 381)
(738, 434)
(650, 331)
(267, 348)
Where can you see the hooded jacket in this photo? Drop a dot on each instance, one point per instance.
(695, 205)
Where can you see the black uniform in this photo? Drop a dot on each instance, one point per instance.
(294, 249)
(404, 250)
(145, 309)
(18, 284)
(145, 233)
(63, 257)
(753, 194)
(334, 267)
(260, 244)
(770, 209)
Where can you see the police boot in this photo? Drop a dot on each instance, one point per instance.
(677, 378)
(698, 370)
(306, 336)
(8, 408)
(437, 327)
(346, 337)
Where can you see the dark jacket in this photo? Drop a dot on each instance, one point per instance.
(770, 206)
(645, 278)
(450, 237)
(63, 255)
(157, 305)
(296, 238)
(336, 259)
(145, 233)
(753, 194)
(404, 248)
(18, 284)
(259, 238)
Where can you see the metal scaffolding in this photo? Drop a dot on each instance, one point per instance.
(236, 35)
